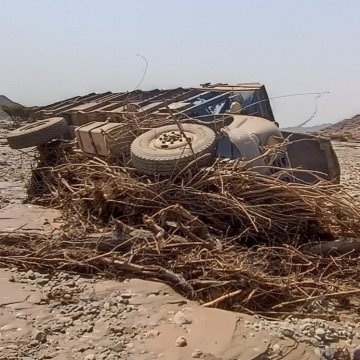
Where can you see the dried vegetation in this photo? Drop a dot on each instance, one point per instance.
(224, 235)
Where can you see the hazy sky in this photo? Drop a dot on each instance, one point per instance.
(51, 50)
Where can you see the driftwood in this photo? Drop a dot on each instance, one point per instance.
(153, 272)
(223, 235)
(115, 240)
(335, 247)
(108, 241)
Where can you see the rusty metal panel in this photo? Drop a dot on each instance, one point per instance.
(191, 101)
(226, 87)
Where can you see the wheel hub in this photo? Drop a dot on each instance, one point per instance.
(173, 140)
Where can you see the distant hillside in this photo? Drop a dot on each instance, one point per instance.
(307, 129)
(5, 101)
(348, 129)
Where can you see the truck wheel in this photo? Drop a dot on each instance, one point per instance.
(37, 133)
(165, 149)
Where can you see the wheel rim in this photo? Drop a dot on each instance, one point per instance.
(170, 140)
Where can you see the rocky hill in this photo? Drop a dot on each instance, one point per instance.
(3, 115)
(5, 101)
(306, 129)
(348, 129)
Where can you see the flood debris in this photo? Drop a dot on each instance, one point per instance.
(230, 231)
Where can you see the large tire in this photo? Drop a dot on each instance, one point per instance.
(154, 153)
(37, 133)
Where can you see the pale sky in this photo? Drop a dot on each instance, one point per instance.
(51, 50)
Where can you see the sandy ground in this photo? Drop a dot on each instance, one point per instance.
(66, 316)
(135, 319)
(349, 157)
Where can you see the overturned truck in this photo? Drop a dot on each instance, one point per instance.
(198, 188)
(162, 132)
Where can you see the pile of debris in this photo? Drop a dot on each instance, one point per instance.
(225, 235)
(240, 231)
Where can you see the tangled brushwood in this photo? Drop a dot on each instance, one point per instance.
(223, 235)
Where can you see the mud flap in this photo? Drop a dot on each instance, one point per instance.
(309, 152)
